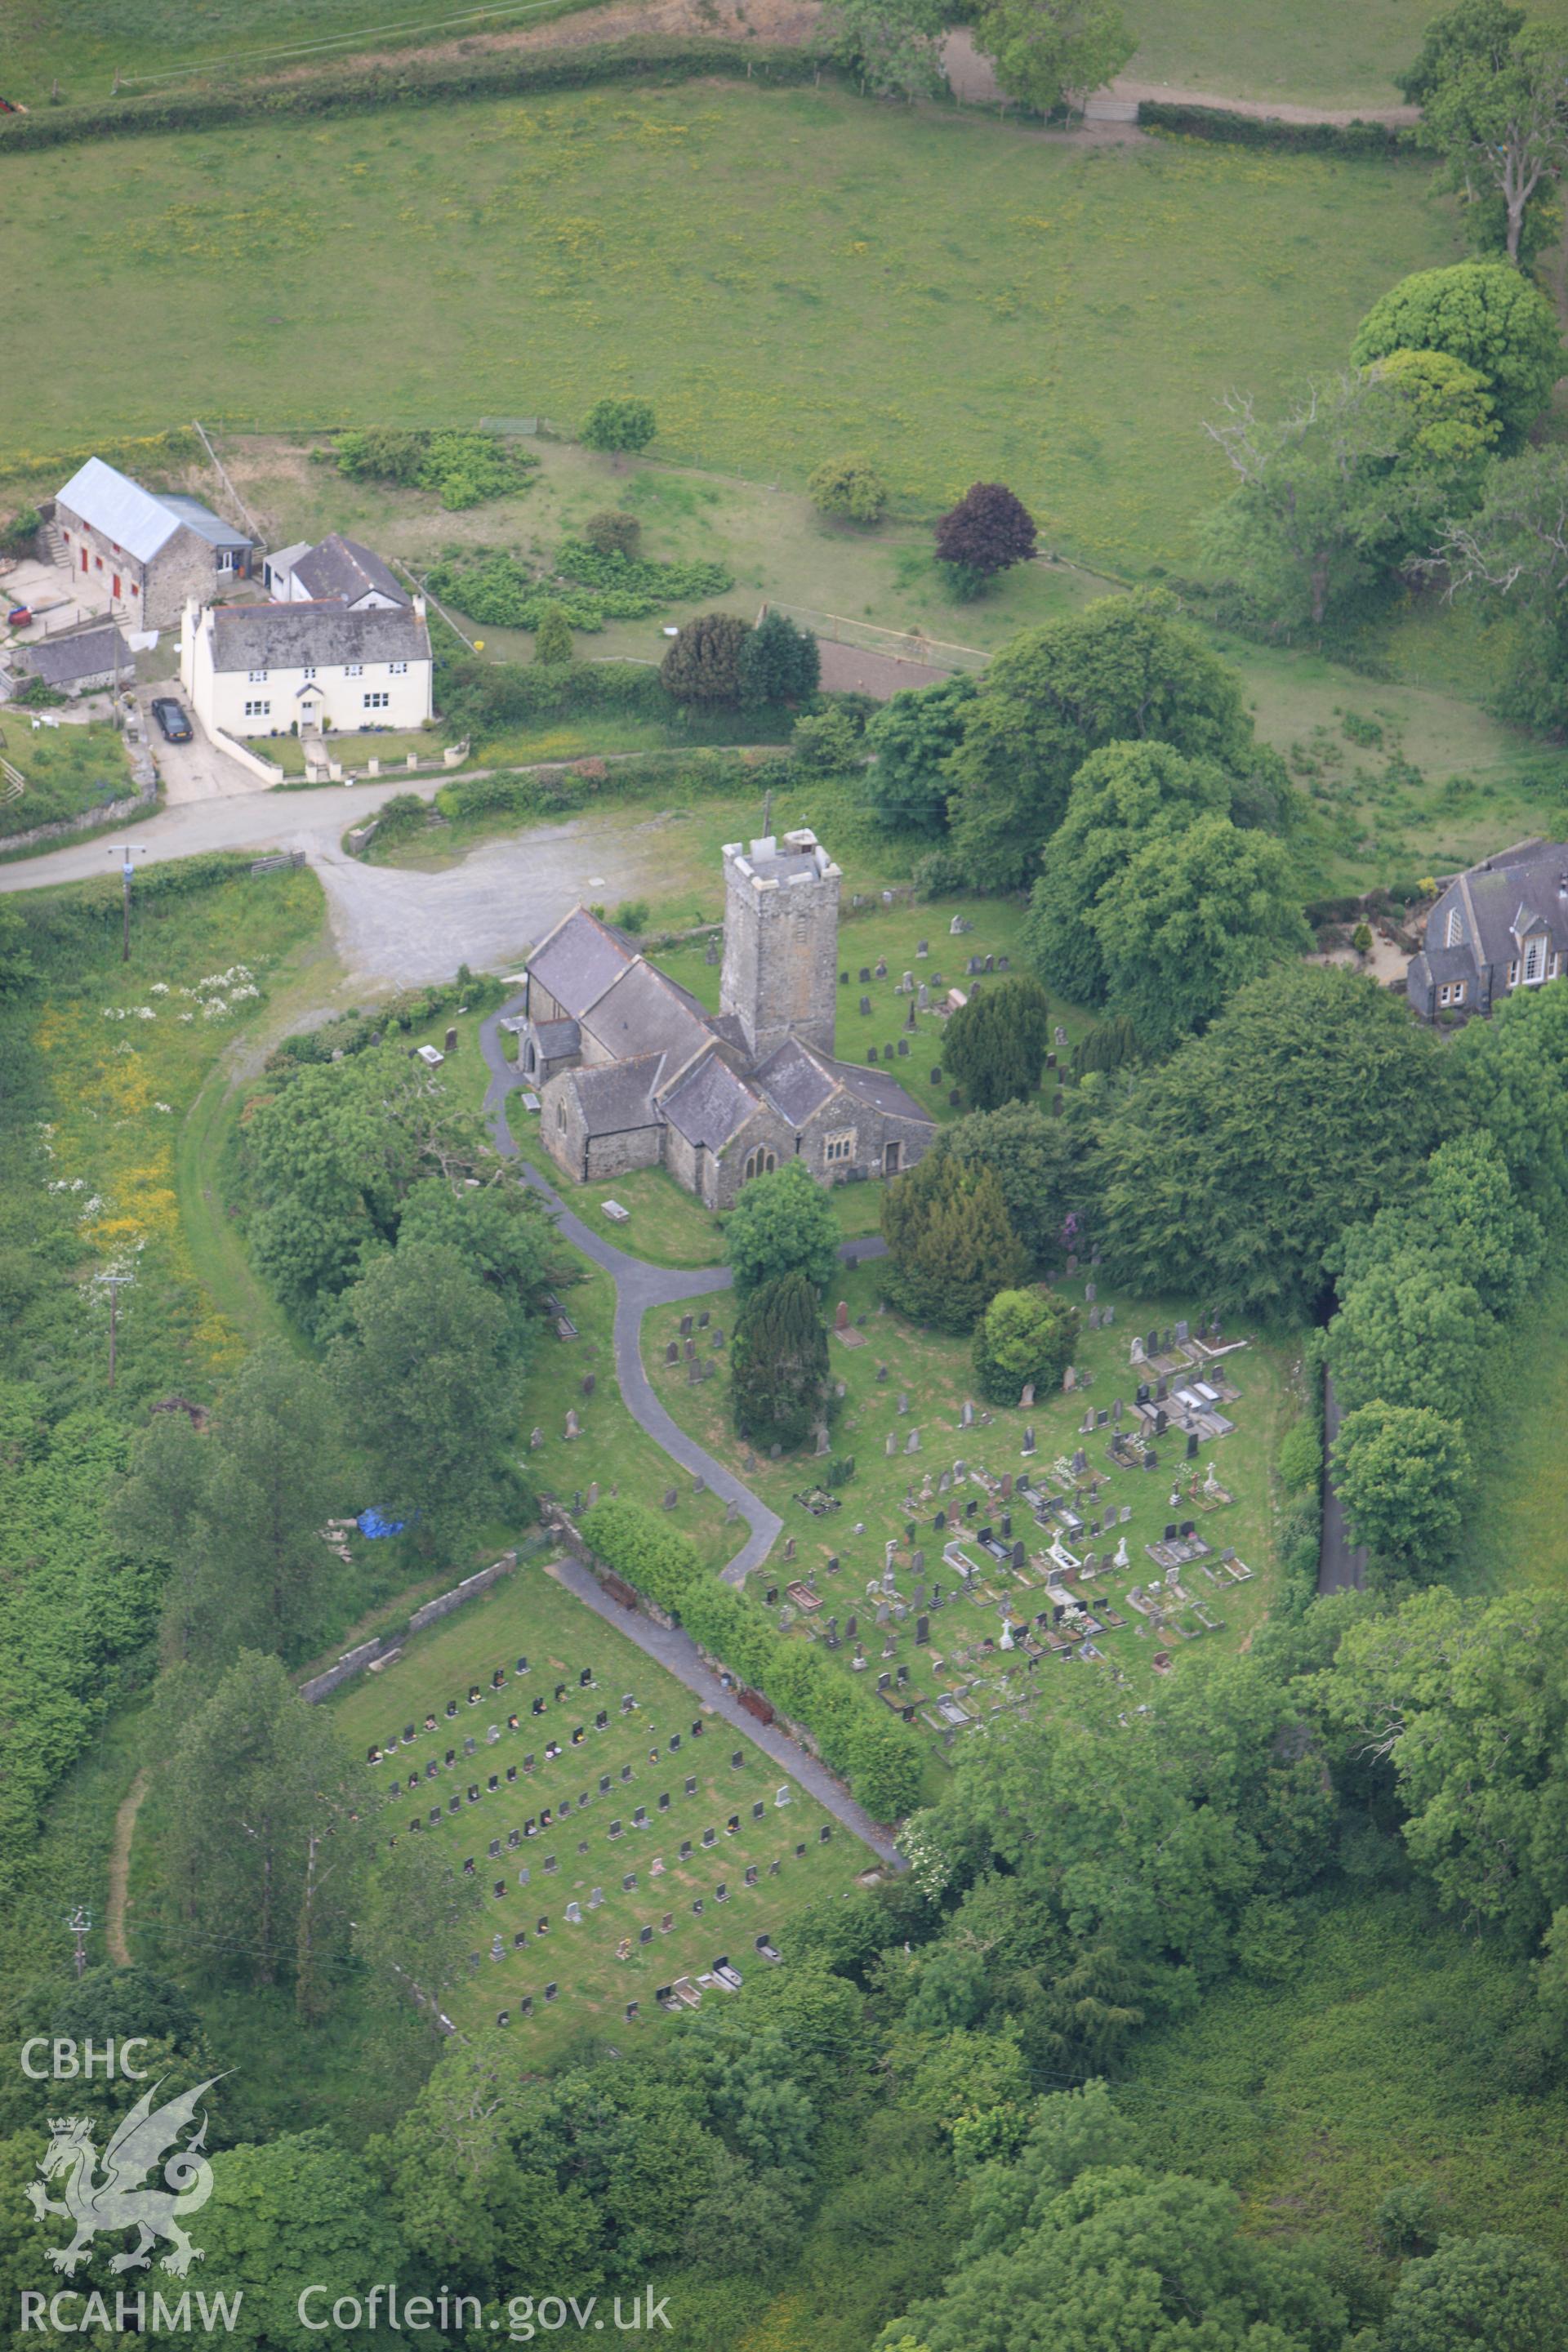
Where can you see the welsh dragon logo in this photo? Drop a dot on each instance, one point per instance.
(111, 2198)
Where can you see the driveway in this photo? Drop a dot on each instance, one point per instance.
(196, 771)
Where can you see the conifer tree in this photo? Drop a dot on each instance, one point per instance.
(951, 1243)
(778, 1363)
(995, 1045)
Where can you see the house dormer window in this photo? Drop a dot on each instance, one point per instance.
(1534, 961)
(1454, 933)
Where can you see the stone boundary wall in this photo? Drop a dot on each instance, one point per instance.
(356, 1662)
(59, 828)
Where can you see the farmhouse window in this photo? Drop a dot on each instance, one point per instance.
(258, 677)
(376, 702)
(353, 670)
(397, 670)
(259, 711)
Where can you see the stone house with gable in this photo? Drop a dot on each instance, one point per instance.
(634, 1072)
(336, 571)
(151, 549)
(1501, 925)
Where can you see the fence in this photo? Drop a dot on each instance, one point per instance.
(899, 645)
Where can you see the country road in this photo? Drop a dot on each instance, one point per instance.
(394, 926)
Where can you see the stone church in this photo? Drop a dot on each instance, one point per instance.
(632, 1071)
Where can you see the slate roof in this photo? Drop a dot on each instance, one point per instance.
(60, 661)
(882, 1094)
(139, 520)
(710, 1105)
(1521, 891)
(795, 1080)
(576, 961)
(282, 559)
(293, 636)
(644, 1013)
(555, 1037)
(202, 519)
(342, 570)
(616, 1097)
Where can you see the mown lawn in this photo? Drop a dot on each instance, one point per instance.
(785, 274)
(572, 1832)
(888, 1492)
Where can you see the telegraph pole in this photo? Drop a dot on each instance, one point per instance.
(127, 872)
(80, 1924)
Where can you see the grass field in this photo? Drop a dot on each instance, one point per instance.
(1379, 2062)
(65, 768)
(782, 273)
(891, 1492)
(1513, 1539)
(574, 1815)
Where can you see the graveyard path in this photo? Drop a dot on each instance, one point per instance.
(638, 1287)
(680, 1655)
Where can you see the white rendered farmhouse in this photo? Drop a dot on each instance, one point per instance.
(305, 668)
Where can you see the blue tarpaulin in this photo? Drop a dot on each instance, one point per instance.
(372, 1524)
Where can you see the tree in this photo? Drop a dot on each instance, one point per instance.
(849, 488)
(1493, 94)
(503, 1234)
(1484, 313)
(1411, 1332)
(704, 664)
(995, 1045)
(1402, 1473)
(894, 50)
(1359, 477)
(418, 1922)
(1129, 2260)
(1039, 1162)
(1024, 1335)
(643, 1546)
(619, 427)
(1468, 1705)
(1188, 921)
(914, 735)
(612, 532)
(262, 1853)
(828, 743)
(1126, 669)
(428, 1384)
(234, 1516)
(331, 1156)
(553, 638)
(778, 1363)
(1125, 797)
(1511, 555)
(988, 530)
(298, 2213)
(951, 1246)
(779, 663)
(1202, 1192)
(1053, 54)
(1466, 1218)
(782, 1224)
(1500, 2292)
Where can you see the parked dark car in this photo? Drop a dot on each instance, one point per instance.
(172, 719)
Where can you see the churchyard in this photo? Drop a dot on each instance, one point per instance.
(626, 1840)
(972, 1551)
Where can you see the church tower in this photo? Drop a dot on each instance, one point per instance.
(781, 941)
